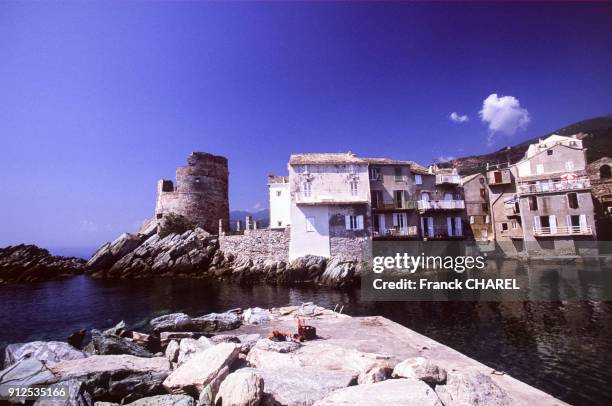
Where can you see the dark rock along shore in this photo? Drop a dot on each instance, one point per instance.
(196, 253)
(29, 263)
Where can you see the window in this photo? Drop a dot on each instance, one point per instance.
(504, 226)
(398, 197)
(374, 174)
(418, 179)
(196, 180)
(301, 168)
(514, 224)
(572, 200)
(472, 220)
(354, 188)
(307, 189)
(487, 219)
(569, 165)
(605, 172)
(279, 223)
(533, 203)
(398, 174)
(539, 169)
(549, 152)
(376, 199)
(310, 224)
(485, 206)
(278, 193)
(497, 177)
(354, 222)
(482, 181)
(483, 192)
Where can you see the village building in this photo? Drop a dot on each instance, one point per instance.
(477, 211)
(600, 175)
(543, 202)
(280, 201)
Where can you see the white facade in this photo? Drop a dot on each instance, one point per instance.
(309, 231)
(280, 202)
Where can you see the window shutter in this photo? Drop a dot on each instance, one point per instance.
(583, 223)
(381, 224)
(487, 219)
(568, 219)
(553, 223)
(360, 222)
(536, 222)
(430, 226)
(449, 226)
(472, 220)
(347, 221)
(395, 219)
(458, 227)
(422, 227)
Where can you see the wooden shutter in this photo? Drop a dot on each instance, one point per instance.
(449, 226)
(360, 222)
(347, 221)
(553, 223)
(458, 227)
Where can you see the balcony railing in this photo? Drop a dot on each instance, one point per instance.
(556, 186)
(410, 231)
(408, 204)
(562, 231)
(440, 204)
(448, 179)
(302, 198)
(441, 232)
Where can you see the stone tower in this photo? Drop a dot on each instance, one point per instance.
(200, 194)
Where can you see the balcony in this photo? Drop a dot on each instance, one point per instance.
(396, 232)
(441, 233)
(448, 180)
(556, 186)
(390, 206)
(424, 205)
(562, 231)
(301, 198)
(499, 178)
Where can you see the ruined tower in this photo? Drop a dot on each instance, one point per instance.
(200, 193)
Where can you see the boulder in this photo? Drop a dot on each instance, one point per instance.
(215, 322)
(277, 346)
(337, 273)
(420, 368)
(25, 373)
(77, 395)
(241, 388)
(118, 378)
(256, 315)
(223, 338)
(392, 392)
(171, 322)
(470, 387)
(296, 386)
(46, 351)
(376, 374)
(111, 345)
(166, 336)
(248, 341)
(165, 400)
(188, 347)
(202, 369)
(109, 253)
(76, 338)
(172, 351)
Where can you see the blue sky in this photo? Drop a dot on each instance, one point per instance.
(98, 101)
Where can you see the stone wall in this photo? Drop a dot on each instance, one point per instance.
(264, 244)
(200, 194)
(351, 248)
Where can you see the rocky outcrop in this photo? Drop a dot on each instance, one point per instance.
(420, 368)
(241, 388)
(466, 388)
(29, 263)
(45, 351)
(196, 253)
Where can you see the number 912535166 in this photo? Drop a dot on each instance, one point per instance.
(20, 393)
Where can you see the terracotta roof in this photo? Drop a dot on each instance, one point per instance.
(326, 158)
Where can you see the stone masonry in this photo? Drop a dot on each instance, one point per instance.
(272, 244)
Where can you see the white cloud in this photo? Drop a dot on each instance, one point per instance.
(442, 159)
(503, 115)
(256, 207)
(454, 116)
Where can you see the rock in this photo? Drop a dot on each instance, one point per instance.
(172, 351)
(223, 338)
(112, 345)
(337, 273)
(46, 351)
(171, 322)
(25, 373)
(256, 315)
(166, 336)
(202, 369)
(392, 392)
(29, 263)
(277, 346)
(248, 341)
(420, 368)
(188, 347)
(470, 387)
(116, 330)
(165, 400)
(301, 386)
(215, 322)
(109, 253)
(376, 374)
(148, 228)
(241, 388)
(116, 377)
(76, 339)
(147, 341)
(77, 395)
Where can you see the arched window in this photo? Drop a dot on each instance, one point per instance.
(425, 196)
(605, 172)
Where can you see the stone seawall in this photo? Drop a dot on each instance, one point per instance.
(266, 244)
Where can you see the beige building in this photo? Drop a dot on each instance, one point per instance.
(478, 216)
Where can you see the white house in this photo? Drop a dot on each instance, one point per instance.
(280, 201)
